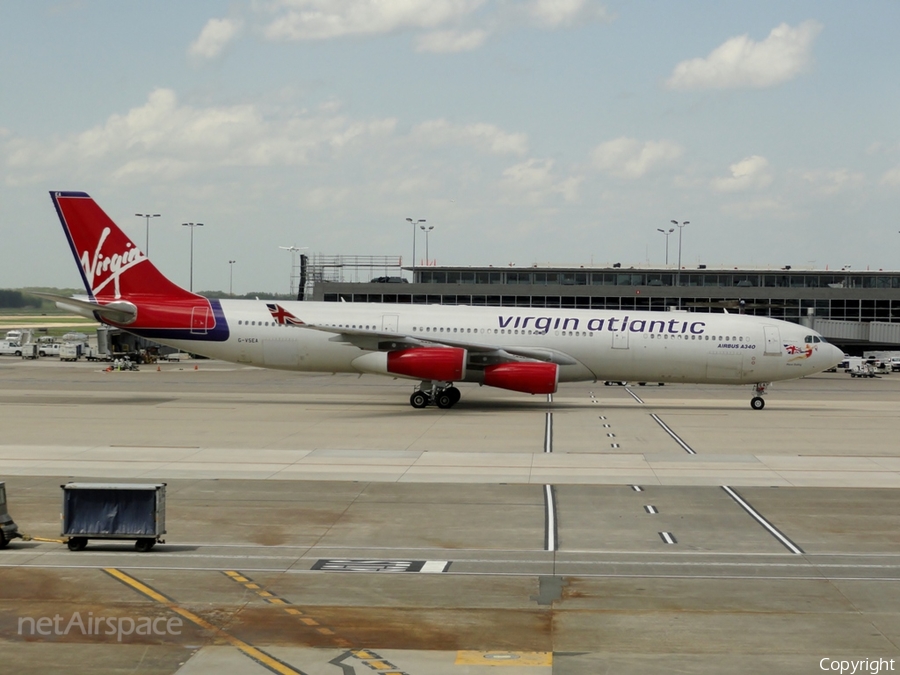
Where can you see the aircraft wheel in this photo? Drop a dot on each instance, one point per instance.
(757, 403)
(454, 393)
(418, 399)
(444, 400)
(77, 543)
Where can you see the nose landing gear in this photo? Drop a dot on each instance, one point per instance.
(445, 396)
(757, 402)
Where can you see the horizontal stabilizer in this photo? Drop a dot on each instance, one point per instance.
(117, 311)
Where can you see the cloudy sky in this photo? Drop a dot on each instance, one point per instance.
(530, 131)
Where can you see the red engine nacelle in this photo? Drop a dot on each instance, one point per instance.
(446, 364)
(528, 377)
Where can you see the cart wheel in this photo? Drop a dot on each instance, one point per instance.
(77, 543)
(144, 545)
(3, 540)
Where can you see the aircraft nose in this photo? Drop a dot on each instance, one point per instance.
(835, 355)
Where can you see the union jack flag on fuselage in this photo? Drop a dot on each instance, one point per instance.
(282, 316)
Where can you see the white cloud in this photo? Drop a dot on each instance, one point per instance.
(450, 41)
(480, 135)
(216, 35)
(834, 181)
(559, 13)
(166, 139)
(444, 26)
(533, 181)
(631, 158)
(891, 177)
(751, 173)
(324, 19)
(740, 62)
(755, 208)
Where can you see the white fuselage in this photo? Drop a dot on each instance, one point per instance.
(593, 344)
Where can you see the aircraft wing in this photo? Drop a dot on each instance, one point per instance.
(480, 353)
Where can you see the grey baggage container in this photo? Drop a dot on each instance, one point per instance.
(114, 511)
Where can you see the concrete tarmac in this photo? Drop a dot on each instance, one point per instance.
(318, 524)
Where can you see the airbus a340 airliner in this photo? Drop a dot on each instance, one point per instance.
(528, 350)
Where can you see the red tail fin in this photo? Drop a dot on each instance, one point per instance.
(106, 255)
(115, 271)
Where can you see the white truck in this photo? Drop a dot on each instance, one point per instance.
(49, 348)
(10, 348)
(41, 348)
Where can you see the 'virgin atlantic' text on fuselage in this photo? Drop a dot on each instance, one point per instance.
(613, 325)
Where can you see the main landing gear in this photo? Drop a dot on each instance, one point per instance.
(442, 396)
(757, 402)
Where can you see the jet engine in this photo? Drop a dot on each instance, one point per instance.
(530, 377)
(443, 364)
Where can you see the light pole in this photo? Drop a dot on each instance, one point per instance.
(231, 276)
(667, 233)
(147, 217)
(426, 230)
(192, 226)
(680, 226)
(414, 223)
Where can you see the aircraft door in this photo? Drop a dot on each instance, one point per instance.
(620, 340)
(390, 322)
(199, 319)
(773, 341)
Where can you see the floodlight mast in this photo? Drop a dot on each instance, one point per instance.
(414, 223)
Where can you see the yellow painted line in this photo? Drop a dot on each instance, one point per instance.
(362, 654)
(232, 573)
(521, 659)
(240, 579)
(273, 599)
(249, 650)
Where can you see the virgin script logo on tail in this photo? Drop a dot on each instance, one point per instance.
(282, 316)
(114, 266)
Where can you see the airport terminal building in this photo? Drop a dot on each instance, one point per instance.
(857, 309)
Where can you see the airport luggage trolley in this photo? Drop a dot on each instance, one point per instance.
(8, 529)
(114, 511)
